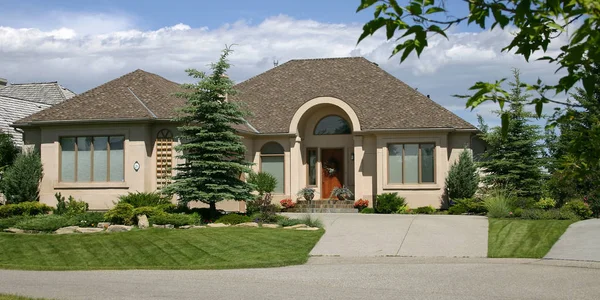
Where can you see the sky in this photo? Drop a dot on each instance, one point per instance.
(84, 43)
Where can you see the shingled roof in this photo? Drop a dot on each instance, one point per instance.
(43, 92)
(137, 95)
(380, 100)
(12, 109)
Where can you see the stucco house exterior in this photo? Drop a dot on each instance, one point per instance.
(319, 123)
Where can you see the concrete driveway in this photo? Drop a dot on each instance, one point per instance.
(363, 235)
(581, 241)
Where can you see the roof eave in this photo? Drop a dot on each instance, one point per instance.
(84, 121)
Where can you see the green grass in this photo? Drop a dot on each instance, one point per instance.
(15, 297)
(207, 248)
(524, 238)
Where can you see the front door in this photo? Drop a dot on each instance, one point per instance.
(332, 170)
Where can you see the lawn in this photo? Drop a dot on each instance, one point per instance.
(524, 238)
(14, 297)
(207, 248)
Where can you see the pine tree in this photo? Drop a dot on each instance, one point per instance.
(514, 158)
(20, 182)
(213, 152)
(463, 178)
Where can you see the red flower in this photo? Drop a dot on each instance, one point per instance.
(287, 203)
(360, 204)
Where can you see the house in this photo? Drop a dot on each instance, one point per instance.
(319, 123)
(18, 101)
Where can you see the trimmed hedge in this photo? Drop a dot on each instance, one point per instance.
(389, 203)
(47, 223)
(141, 199)
(233, 219)
(122, 213)
(428, 210)
(24, 209)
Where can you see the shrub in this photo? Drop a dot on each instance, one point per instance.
(88, 219)
(24, 209)
(498, 204)
(148, 211)
(203, 212)
(20, 182)
(283, 222)
(69, 207)
(550, 214)
(141, 199)
(311, 221)
(579, 208)
(262, 217)
(389, 203)
(367, 210)
(176, 220)
(11, 221)
(8, 150)
(523, 202)
(233, 219)
(462, 180)
(264, 183)
(122, 213)
(404, 210)
(167, 207)
(287, 203)
(252, 207)
(545, 203)
(361, 204)
(467, 205)
(45, 223)
(428, 210)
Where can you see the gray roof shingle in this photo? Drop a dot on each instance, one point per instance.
(44, 92)
(11, 110)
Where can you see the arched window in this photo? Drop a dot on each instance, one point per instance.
(164, 158)
(332, 125)
(271, 161)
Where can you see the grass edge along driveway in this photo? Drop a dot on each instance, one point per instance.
(514, 238)
(16, 297)
(206, 248)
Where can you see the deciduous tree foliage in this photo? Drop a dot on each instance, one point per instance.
(213, 152)
(537, 22)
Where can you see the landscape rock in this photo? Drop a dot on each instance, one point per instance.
(247, 224)
(185, 227)
(295, 226)
(67, 230)
(270, 226)
(118, 228)
(158, 226)
(215, 225)
(143, 222)
(198, 226)
(308, 228)
(103, 225)
(169, 226)
(89, 230)
(14, 230)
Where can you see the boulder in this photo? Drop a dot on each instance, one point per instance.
(169, 226)
(158, 226)
(270, 226)
(143, 221)
(185, 227)
(295, 226)
(14, 230)
(247, 224)
(67, 230)
(103, 225)
(118, 228)
(197, 226)
(308, 228)
(215, 225)
(89, 230)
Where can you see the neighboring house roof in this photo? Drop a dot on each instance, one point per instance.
(12, 109)
(380, 100)
(43, 92)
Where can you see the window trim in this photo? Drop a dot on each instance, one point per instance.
(314, 132)
(316, 150)
(76, 150)
(419, 169)
(261, 155)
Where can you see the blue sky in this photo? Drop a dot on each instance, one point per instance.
(83, 44)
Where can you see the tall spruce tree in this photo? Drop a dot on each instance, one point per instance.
(463, 179)
(213, 153)
(514, 158)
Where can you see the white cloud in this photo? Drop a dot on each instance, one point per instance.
(88, 50)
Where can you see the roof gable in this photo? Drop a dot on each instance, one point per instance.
(380, 100)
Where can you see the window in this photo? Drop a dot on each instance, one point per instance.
(164, 158)
(411, 163)
(311, 156)
(92, 159)
(332, 125)
(271, 161)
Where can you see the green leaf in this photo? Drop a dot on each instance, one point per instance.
(371, 27)
(435, 9)
(390, 29)
(437, 29)
(538, 108)
(365, 4)
(588, 84)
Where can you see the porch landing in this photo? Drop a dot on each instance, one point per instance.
(325, 206)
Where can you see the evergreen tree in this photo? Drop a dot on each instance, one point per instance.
(463, 179)
(20, 182)
(514, 158)
(213, 152)
(8, 151)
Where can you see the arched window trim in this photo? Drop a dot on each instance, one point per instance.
(332, 115)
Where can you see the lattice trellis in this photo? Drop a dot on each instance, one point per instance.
(164, 158)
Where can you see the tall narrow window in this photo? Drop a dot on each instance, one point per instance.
(87, 159)
(411, 163)
(164, 158)
(311, 156)
(272, 162)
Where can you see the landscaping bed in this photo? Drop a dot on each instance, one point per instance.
(209, 248)
(524, 238)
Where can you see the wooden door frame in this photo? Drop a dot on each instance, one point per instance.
(320, 161)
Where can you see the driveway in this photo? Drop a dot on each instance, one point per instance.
(581, 241)
(326, 278)
(364, 235)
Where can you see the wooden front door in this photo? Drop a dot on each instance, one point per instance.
(332, 171)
